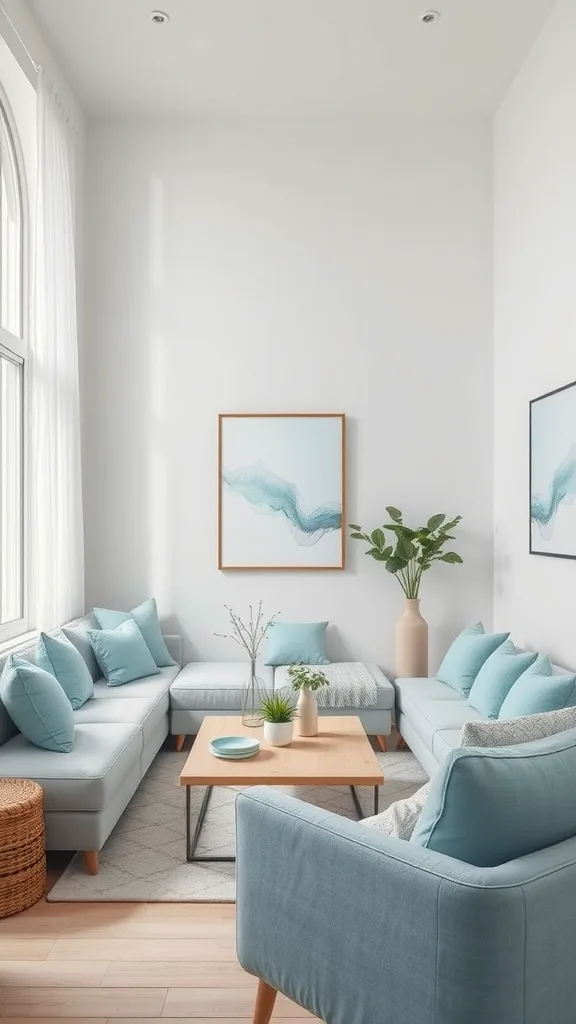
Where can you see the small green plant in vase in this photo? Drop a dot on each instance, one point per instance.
(278, 712)
(407, 554)
(306, 681)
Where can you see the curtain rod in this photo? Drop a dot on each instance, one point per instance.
(37, 67)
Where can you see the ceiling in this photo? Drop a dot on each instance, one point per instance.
(291, 57)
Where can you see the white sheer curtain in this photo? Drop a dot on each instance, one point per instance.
(55, 461)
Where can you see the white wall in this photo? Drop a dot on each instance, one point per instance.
(288, 266)
(535, 321)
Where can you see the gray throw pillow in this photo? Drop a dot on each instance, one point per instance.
(507, 732)
(399, 820)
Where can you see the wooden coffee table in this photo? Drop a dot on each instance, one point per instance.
(340, 755)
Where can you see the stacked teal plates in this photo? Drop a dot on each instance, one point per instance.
(234, 748)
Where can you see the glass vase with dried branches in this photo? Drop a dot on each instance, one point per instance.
(250, 634)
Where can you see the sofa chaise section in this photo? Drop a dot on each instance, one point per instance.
(430, 715)
(118, 733)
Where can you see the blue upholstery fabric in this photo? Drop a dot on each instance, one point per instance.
(57, 655)
(38, 705)
(532, 694)
(464, 945)
(497, 677)
(146, 617)
(464, 659)
(488, 806)
(297, 643)
(122, 653)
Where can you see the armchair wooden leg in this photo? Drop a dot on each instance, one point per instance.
(91, 861)
(265, 999)
(381, 741)
(179, 742)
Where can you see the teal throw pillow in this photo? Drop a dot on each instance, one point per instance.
(55, 654)
(122, 653)
(489, 806)
(37, 705)
(146, 617)
(297, 643)
(497, 677)
(464, 659)
(533, 694)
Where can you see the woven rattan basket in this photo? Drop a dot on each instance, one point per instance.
(22, 857)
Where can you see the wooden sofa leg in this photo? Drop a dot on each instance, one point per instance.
(91, 861)
(381, 741)
(179, 742)
(265, 999)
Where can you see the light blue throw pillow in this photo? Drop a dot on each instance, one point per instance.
(534, 693)
(297, 643)
(37, 705)
(122, 653)
(146, 617)
(464, 659)
(55, 654)
(489, 806)
(497, 677)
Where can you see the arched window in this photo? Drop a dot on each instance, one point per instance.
(12, 369)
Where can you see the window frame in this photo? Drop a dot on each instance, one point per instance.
(16, 349)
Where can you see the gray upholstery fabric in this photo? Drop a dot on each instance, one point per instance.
(143, 711)
(215, 685)
(86, 778)
(423, 689)
(444, 741)
(385, 700)
(77, 633)
(429, 716)
(375, 723)
(149, 686)
(175, 647)
(89, 830)
(417, 745)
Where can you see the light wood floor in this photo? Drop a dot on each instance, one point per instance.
(102, 963)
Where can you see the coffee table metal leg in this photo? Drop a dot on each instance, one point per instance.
(358, 805)
(191, 843)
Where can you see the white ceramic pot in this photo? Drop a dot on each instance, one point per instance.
(307, 713)
(278, 734)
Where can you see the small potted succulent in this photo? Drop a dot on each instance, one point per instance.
(306, 681)
(278, 712)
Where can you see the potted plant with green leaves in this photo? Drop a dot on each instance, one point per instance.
(278, 712)
(305, 681)
(407, 553)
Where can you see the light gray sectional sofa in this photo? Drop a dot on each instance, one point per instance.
(430, 715)
(120, 730)
(118, 733)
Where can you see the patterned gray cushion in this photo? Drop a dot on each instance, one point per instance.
(399, 820)
(510, 731)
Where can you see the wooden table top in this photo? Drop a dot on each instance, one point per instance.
(340, 755)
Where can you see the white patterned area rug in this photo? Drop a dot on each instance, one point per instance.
(144, 859)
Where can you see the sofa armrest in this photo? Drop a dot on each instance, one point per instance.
(359, 928)
(175, 646)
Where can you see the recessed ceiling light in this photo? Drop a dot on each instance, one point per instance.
(159, 17)
(429, 16)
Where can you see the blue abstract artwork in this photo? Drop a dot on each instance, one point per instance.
(553, 473)
(281, 491)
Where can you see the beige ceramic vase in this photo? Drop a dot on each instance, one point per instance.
(411, 641)
(307, 713)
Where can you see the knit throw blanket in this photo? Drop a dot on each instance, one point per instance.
(350, 685)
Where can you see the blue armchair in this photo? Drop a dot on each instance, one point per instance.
(362, 929)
